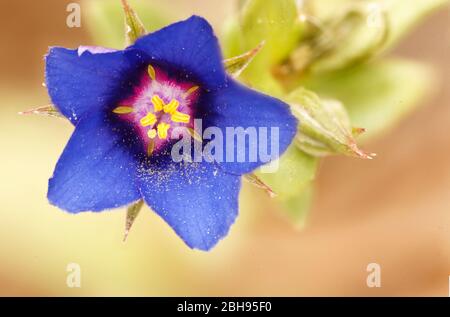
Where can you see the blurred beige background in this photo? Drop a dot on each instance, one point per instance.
(394, 210)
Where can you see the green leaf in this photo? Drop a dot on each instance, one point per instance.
(324, 125)
(292, 182)
(377, 95)
(296, 170)
(297, 207)
(105, 20)
(134, 28)
(273, 21)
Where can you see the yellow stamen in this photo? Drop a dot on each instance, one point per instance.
(162, 130)
(151, 133)
(123, 110)
(150, 147)
(151, 72)
(172, 106)
(190, 91)
(158, 103)
(149, 119)
(180, 117)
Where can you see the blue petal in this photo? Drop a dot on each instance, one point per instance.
(97, 169)
(198, 200)
(237, 106)
(189, 46)
(78, 83)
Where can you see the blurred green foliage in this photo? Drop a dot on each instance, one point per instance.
(375, 94)
(274, 23)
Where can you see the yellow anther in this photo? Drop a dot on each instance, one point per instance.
(172, 106)
(180, 117)
(162, 130)
(123, 110)
(151, 72)
(158, 103)
(149, 119)
(151, 133)
(190, 91)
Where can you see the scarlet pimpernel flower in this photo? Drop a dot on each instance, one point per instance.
(127, 104)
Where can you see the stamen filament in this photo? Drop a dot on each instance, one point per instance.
(150, 147)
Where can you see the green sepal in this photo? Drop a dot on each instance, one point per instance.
(134, 28)
(132, 212)
(325, 127)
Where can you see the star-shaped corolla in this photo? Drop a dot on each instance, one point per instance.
(126, 104)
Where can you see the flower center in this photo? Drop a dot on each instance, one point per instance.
(159, 103)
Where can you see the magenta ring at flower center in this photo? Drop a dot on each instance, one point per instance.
(159, 104)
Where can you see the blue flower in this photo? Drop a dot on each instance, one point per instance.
(124, 105)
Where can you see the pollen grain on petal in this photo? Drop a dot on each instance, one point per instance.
(162, 130)
(123, 110)
(151, 72)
